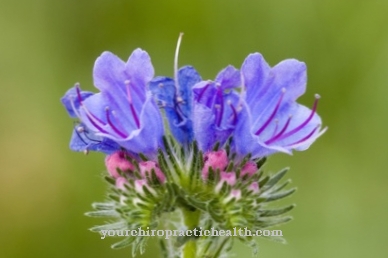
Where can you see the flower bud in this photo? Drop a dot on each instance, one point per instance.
(249, 169)
(254, 187)
(118, 161)
(146, 168)
(215, 160)
(226, 177)
(120, 182)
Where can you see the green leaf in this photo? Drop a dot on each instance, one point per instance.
(276, 212)
(277, 196)
(103, 214)
(274, 179)
(124, 243)
(103, 205)
(113, 226)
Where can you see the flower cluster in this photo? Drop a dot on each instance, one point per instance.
(192, 145)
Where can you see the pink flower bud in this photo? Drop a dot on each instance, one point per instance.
(235, 193)
(249, 169)
(254, 187)
(140, 183)
(120, 182)
(226, 177)
(146, 168)
(216, 160)
(118, 160)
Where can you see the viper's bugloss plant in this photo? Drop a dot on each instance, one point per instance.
(184, 153)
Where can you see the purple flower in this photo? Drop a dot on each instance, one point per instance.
(123, 113)
(214, 108)
(175, 97)
(270, 120)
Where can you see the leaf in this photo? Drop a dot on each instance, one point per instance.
(124, 243)
(276, 212)
(274, 179)
(113, 226)
(280, 195)
(103, 214)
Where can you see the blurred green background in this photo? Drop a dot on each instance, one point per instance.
(47, 46)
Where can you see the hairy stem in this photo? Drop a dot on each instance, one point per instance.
(191, 220)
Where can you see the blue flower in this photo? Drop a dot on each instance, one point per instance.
(123, 114)
(175, 97)
(270, 120)
(214, 108)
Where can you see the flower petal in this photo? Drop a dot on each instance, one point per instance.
(148, 138)
(71, 100)
(187, 78)
(87, 141)
(229, 78)
(204, 126)
(109, 73)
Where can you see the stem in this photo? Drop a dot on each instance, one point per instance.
(191, 219)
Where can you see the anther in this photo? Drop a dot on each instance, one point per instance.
(179, 99)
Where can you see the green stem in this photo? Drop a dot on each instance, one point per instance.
(191, 219)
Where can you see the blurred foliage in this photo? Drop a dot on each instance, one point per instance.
(47, 46)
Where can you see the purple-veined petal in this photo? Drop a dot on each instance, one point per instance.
(147, 138)
(228, 78)
(204, 126)
(71, 100)
(84, 141)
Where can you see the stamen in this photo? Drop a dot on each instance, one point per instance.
(274, 138)
(80, 129)
(262, 128)
(176, 63)
(133, 111)
(234, 113)
(202, 92)
(306, 137)
(129, 96)
(123, 135)
(221, 107)
(94, 123)
(276, 127)
(90, 139)
(296, 129)
(78, 90)
(79, 136)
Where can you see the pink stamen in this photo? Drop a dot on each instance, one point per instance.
(123, 135)
(298, 128)
(221, 109)
(78, 90)
(133, 111)
(274, 138)
(306, 137)
(202, 92)
(94, 123)
(271, 117)
(89, 115)
(234, 114)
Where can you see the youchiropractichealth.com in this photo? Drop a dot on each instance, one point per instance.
(194, 232)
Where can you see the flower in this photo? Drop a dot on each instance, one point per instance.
(270, 120)
(175, 97)
(123, 113)
(214, 112)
